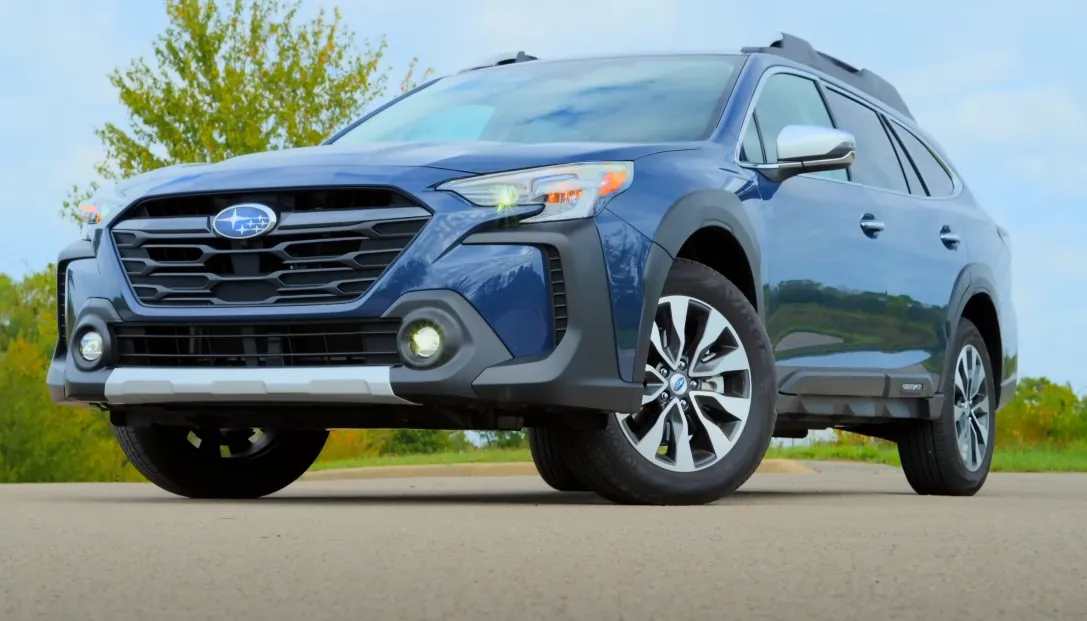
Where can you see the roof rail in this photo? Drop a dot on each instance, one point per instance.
(799, 50)
(502, 59)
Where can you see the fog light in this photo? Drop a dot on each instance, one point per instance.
(425, 341)
(90, 346)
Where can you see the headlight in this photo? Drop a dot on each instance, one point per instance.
(567, 192)
(96, 213)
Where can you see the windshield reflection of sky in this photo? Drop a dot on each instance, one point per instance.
(647, 99)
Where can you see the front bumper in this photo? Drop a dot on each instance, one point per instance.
(580, 372)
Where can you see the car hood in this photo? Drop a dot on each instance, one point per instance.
(328, 161)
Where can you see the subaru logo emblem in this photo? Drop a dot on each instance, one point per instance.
(244, 221)
(679, 384)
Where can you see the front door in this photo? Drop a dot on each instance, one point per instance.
(827, 260)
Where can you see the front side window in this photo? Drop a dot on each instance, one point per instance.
(788, 99)
(632, 99)
(877, 163)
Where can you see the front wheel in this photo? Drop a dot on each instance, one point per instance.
(221, 463)
(707, 412)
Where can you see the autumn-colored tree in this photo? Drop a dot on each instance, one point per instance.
(231, 77)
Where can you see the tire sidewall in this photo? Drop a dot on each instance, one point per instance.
(731, 471)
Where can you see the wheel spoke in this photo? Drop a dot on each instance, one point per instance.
(653, 389)
(980, 428)
(977, 376)
(678, 306)
(960, 378)
(718, 440)
(975, 446)
(962, 428)
(655, 339)
(960, 411)
(737, 407)
(729, 362)
(681, 439)
(714, 328)
(651, 441)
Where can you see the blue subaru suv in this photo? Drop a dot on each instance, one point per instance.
(654, 264)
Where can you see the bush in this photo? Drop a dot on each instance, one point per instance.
(505, 440)
(1042, 412)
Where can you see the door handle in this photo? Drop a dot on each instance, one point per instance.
(871, 226)
(951, 240)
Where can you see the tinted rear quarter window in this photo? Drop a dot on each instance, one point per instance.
(916, 187)
(936, 177)
(877, 163)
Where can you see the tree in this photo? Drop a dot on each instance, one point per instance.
(226, 78)
(232, 77)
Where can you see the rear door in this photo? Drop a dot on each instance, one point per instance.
(932, 242)
(922, 267)
(827, 261)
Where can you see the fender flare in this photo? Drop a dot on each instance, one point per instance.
(975, 278)
(704, 209)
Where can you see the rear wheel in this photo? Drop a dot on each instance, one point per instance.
(950, 456)
(549, 453)
(220, 463)
(707, 411)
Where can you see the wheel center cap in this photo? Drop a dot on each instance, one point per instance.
(679, 384)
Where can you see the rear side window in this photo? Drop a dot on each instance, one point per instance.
(788, 99)
(876, 164)
(936, 178)
(916, 187)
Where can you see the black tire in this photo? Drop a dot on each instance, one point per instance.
(167, 457)
(609, 464)
(929, 450)
(549, 453)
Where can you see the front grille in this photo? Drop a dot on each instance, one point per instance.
(365, 342)
(558, 291)
(328, 247)
(308, 200)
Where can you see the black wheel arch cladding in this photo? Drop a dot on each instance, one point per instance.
(700, 210)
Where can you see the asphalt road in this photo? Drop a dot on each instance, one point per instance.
(846, 543)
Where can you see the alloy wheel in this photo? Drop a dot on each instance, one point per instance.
(972, 409)
(697, 388)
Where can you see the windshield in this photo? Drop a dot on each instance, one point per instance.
(633, 99)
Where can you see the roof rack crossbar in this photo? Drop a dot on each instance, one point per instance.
(503, 59)
(800, 51)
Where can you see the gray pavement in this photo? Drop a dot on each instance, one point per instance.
(848, 542)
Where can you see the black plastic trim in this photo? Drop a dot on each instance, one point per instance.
(583, 370)
(694, 212)
(70, 381)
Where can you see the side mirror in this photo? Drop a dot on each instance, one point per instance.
(809, 148)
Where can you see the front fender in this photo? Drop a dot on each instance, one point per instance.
(702, 209)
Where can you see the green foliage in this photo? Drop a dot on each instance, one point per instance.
(419, 441)
(1042, 412)
(41, 441)
(504, 440)
(234, 77)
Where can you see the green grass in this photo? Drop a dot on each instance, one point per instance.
(467, 457)
(1071, 458)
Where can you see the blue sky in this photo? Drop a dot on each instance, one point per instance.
(995, 81)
